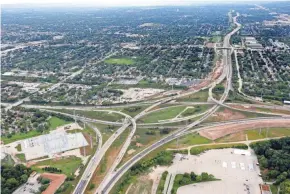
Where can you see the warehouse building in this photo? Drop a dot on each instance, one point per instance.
(52, 143)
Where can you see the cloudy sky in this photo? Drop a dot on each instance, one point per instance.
(120, 2)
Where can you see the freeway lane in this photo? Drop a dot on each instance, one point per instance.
(103, 185)
(90, 165)
(226, 73)
(146, 151)
(94, 162)
(120, 155)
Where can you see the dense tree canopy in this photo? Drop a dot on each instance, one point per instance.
(12, 177)
(274, 159)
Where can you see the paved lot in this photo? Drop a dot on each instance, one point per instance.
(238, 173)
(32, 186)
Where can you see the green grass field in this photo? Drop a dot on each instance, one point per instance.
(273, 132)
(200, 96)
(20, 136)
(120, 61)
(133, 110)
(21, 157)
(106, 130)
(195, 110)
(18, 148)
(199, 149)
(274, 189)
(106, 116)
(164, 114)
(144, 138)
(188, 140)
(55, 122)
(67, 165)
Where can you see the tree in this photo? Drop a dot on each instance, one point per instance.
(285, 187)
(281, 178)
(12, 177)
(193, 176)
(273, 174)
(12, 183)
(24, 178)
(204, 176)
(198, 178)
(43, 187)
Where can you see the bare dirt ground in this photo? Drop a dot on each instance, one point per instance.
(226, 115)
(142, 186)
(210, 45)
(217, 71)
(70, 126)
(56, 181)
(136, 94)
(223, 130)
(156, 171)
(248, 107)
(240, 136)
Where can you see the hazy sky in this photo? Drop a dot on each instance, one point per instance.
(119, 2)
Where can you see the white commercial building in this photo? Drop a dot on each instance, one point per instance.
(50, 144)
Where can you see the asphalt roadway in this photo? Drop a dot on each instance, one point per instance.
(226, 73)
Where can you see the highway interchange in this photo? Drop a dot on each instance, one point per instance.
(227, 72)
(114, 173)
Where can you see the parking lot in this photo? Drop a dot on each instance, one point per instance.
(237, 170)
(31, 186)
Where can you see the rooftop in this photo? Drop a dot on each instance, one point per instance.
(49, 144)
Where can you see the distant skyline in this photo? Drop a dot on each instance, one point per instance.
(116, 3)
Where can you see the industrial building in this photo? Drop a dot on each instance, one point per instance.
(252, 43)
(52, 143)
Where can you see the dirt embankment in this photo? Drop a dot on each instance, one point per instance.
(253, 108)
(214, 133)
(215, 74)
(56, 180)
(226, 115)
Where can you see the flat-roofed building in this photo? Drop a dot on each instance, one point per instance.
(50, 144)
(252, 43)
(265, 189)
